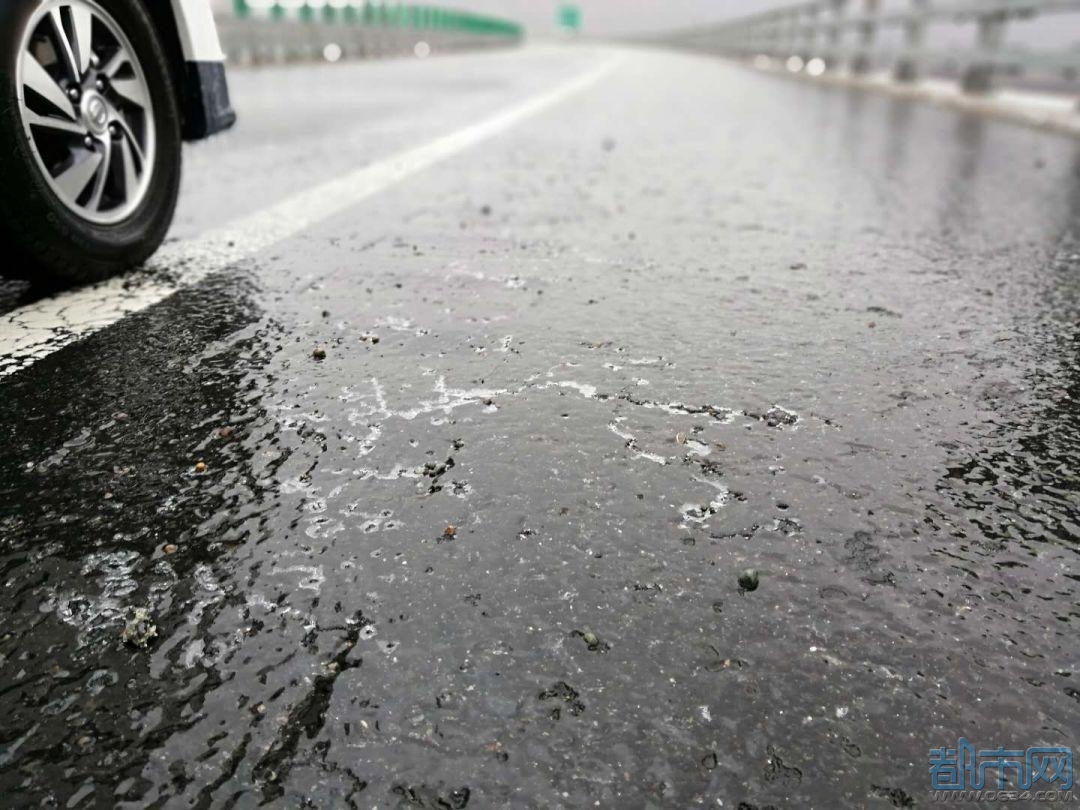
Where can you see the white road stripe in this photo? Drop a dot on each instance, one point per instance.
(37, 330)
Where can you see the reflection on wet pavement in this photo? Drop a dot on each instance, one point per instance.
(630, 476)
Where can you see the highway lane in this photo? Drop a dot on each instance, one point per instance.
(239, 207)
(686, 321)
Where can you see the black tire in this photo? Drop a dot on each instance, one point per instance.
(34, 222)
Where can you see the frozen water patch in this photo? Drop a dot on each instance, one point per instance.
(320, 528)
(373, 521)
(447, 399)
(585, 389)
(366, 444)
(289, 421)
(296, 484)
(311, 578)
(461, 489)
(210, 591)
(648, 361)
(398, 472)
(696, 448)
(114, 574)
(631, 444)
(698, 513)
(398, 324)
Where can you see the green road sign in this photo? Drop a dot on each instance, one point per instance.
(569, 17)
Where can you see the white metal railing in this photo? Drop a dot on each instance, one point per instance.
(846, 34)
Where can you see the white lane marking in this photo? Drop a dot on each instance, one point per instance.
(36, 330)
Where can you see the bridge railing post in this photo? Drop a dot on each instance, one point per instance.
(791, 32)
(990, 35)
(834, 33)
(795, 31)
(810, 32)
(867, 33)
(780, 36)
(907, 66)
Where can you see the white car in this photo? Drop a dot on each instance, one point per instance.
(96, 98)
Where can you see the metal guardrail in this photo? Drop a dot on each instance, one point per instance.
(276, 31)
(844, 34)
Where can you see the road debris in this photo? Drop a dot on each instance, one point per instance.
(139, 630)
(564, 693)
(592, 641)
(748, 580)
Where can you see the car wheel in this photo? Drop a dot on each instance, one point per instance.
(89, 135)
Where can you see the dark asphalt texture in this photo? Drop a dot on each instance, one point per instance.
(486, 553)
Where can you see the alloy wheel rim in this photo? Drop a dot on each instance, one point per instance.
(86, 109)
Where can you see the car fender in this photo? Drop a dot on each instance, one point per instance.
(203, 90)
(197, 31)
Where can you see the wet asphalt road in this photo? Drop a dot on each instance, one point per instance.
(486, 552)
